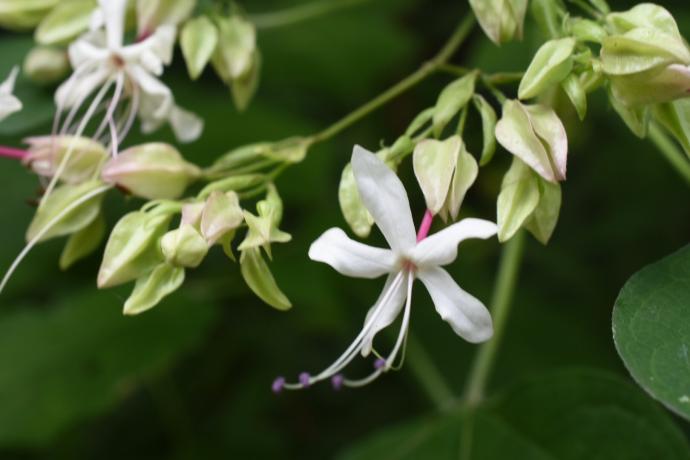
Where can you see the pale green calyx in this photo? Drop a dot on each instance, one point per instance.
(65, 22)
(44, 64)
(434, 162)
(645, 57)
(22, 14)
(536, 135)
(527, 200)
(263, 229)
(152, 287)
(550, 65)
(198, 40)
(133, 247)
(501, 20)
(184, 247)
(221, 214)
(77, 159)
(153, 171)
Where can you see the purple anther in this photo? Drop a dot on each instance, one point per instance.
(278, 385)
(337, 381)
(380, 363)
(304, 379)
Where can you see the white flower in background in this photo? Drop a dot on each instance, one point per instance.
(8, 102)
(100, 59)
(409, 257)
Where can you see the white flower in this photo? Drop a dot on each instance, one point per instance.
(407, 259)
(8, 102)
(100, 59)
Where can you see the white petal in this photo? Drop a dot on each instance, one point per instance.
(8, 105)
(384, 197)
(349, 257)
(80, 85)
(156, 98)
(7, 86)
(442, 248)
(186, 125)
(390, 303)
(468, 316)
(85, 50)
(114, 16)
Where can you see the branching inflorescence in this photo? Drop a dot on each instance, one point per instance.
(638, 57)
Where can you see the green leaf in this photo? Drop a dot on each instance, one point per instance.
(85, 359)
(551, 64)
(454, 97)
(65, 22)
(563, 415)
(356, 215)
(151, 288)
(434, 162)
(543, 220)
(675, 117)
(576, 93)
(70, 198)
(83, 242)
(517, 200)
(651, 329)
(198, 40)
(488, 115)
(133, 248)
(258, 277)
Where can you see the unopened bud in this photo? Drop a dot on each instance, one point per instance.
(184, 247)
(153, 171)
(76, 159)
(46, 65)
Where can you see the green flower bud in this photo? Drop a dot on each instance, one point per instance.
(153, 171)
(79, 158)
(234, 55)
(221, 215)
(198, 40)
(550, 65)
(535, 134)
(23, 14)
(434, 162)
(133, 248)
(154, 13)
(466, 170)
(65, 22)
(501, 20)
(244, 87)
(152, 287)
(82, 243)
(184, 247)
(45, 65)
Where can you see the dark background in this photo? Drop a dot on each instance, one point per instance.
(191, 379)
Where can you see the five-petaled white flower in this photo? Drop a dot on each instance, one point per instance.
(100, 59)
(410, 256)
(8, 102)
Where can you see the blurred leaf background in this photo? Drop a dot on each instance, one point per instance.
(191, 379)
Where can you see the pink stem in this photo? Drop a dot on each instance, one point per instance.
(425, 226)
(10, 152)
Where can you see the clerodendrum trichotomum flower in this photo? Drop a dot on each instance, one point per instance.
(410, 256)
(102, 62)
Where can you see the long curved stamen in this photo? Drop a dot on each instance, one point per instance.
(82, 126)
(354, 348)
(114, 102)
(45, 230)
(383, 365)
(133, 110)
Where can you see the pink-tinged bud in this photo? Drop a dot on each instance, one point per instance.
(152, 171)
(76, 159)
